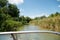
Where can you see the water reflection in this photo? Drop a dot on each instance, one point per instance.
(32, 36)
(30, 28)
(6, 37)
(38, 36)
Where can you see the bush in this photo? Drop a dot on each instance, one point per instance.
(10, 25)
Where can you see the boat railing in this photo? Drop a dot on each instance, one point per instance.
(26, 32)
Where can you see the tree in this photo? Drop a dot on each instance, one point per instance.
(8, 8)
(8, 12)
(13, 10)
(37, 18)
(4, 17)
(28, 19)
(4, 10)
(24, 20)
(55, 14)
(42, 17)
(10, 25)
(3, 3)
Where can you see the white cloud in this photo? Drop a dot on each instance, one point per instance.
(44, 14)
(21, 10)
(39, 15)
(16, 1)
(58, 0)
(58, 5)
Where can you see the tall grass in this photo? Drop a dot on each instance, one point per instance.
(50, 23)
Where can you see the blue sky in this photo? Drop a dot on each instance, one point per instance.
(35, 8)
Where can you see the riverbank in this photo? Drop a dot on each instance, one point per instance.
(47, 26)
(49, 23)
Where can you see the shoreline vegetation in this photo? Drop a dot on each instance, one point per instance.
(11, 20)
(52, 22)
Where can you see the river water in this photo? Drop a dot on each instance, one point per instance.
(32, 36)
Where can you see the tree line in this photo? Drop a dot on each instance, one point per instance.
(10, 20)
(9, 17)
(52, 22)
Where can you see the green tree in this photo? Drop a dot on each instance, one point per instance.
(37, 18)
(42, 17)
(55, 14)
(8, 12)
(10, 25)
(22, 19)
(13, 10)
(4, 10)
(8, 8)
(3, 3)
(4, 17)
(28, 19)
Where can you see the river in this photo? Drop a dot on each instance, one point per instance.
(32, 36)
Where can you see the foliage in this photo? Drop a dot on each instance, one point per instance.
(13, 10)
(9, 14)
(55, 14)
(9, 17)
(8, 8)
(10, 25)
(3, 3)
(37, 18)
(28, 19)
(4, 17)
(52, 22)
(24, 20)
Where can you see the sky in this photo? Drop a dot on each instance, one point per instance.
(37, 8)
